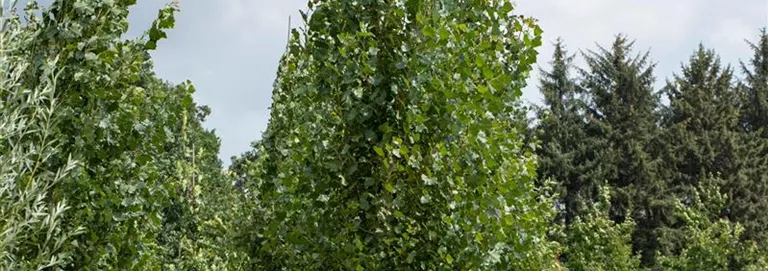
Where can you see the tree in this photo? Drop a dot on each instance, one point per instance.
(114, 117)
(199, 226)
(700, 133)
(568, 151)
(749, 193)
(391, 143)
(31, 233)
(624, 108)
(754, 89)
(595, 242)
(712, 244)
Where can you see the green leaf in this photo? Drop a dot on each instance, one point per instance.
(378, 150)
(388, 186)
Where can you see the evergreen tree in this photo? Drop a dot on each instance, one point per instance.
(568, 150)
(749, 192)
(624, 108)
(700, 136)
(559, 130)
(754, 90)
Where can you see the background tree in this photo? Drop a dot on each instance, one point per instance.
(595, 242)
(749, 193)
(568, 149)
(700, 133)
(624, 109)
(712, 244)
(754, 89)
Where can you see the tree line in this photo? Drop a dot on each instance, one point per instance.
(397, 141)
(687, 177)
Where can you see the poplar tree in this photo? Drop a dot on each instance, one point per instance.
(393, 142)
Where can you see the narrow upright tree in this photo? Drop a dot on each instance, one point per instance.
(567, 153)
(392, 142)
(700, 135)
(623, 105)
(115, 117)
(749, 193)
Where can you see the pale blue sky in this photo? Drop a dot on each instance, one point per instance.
(230, 48)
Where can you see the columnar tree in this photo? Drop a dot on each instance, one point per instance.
(32, 235)
(393, 144)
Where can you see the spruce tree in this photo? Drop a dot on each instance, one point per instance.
(754, 89)
(567, 152)
(624, 108)
(749, 192)
(700, 133)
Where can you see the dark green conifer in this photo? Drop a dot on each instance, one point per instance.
(567, 152)
(624, 106)
(700, 137)
(749, 192)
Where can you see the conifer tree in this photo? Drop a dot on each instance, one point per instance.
(749, 192)
(700, 132)
(567, 152)
(754, 90)
(624, 107)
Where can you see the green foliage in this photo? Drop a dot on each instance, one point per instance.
(397, 141)
(712, 244)
(624, 108)
(700, 135)
(606, 126)
(199, 231)
(754, 89)
(594, 242)
(392, 142)
(750, 192)
(569, 147)
(128, 131)
(31, 233)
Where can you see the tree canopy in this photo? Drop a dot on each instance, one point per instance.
(397, 140)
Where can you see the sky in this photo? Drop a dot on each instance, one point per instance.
(230, 49)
